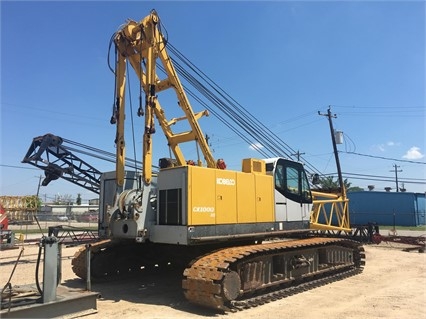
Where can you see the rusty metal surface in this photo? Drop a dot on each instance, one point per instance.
(291, 290)
(417, 242)
(236, 277)
(79, 260)
(204, 282)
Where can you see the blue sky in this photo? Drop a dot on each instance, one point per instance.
(282, 60)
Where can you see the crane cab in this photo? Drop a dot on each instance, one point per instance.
(292, 194)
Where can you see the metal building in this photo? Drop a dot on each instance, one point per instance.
(387, 208)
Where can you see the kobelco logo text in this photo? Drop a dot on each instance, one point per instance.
(225, 181)
(202, 209)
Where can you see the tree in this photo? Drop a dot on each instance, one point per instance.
(355, 189)
(78, 200)
(63, 199)
(329, 185)
(32, 201)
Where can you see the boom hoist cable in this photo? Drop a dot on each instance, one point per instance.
(234, 111)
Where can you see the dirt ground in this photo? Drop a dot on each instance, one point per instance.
(393, 285)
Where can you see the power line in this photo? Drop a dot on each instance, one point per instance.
(385, 158)
(384, 111)
(249, 125)
(20, 167)
(366, 175)
(379, 107)
(406, 180)
(390, 180)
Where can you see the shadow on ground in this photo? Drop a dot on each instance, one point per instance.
(153, 287)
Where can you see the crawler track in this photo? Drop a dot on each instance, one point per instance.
(79, 261)
(115, 259)
(241, 277)
(237, 277)
(289, 291)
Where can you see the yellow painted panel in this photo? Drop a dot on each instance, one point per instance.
(253, 165)
(264, 198)
(201, 196)
(226, 197)
(246, 204)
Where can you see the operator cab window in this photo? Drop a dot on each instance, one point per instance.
(291, 181)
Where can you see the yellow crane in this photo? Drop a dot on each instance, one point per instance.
(241, 237)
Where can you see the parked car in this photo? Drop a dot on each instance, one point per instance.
(88, 217)
(63, 218)
(45, 217)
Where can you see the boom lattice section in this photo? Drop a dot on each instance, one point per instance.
(20, 208)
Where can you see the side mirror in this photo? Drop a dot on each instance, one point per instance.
(315, 179)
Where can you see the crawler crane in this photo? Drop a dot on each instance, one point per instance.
(241, 237)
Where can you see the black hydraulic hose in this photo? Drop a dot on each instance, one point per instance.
(8, 284)
(37, 270)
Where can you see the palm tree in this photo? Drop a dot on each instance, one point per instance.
(329, 185)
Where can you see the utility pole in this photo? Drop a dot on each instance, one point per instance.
(396, 175)
(39, 183)
(336, 155)
(298, 155)
(207, 142)
(38, 198)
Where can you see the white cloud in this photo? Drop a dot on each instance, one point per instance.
(381, 147)
(391, 143)
(384, 146)
(413, 153)
(256, 146)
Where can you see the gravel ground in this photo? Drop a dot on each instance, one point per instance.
(393, 285)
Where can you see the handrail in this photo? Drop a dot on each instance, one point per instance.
(330, 212)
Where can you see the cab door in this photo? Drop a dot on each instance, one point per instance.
(293, 197)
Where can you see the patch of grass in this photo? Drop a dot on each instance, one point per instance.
(419, 228)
